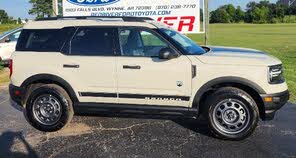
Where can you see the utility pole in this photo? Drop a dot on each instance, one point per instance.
(207, 21)
(55, 8)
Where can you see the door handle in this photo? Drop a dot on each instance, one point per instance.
(131, 67)
(70, 66)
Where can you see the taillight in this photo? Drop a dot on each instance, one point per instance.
(10, 67)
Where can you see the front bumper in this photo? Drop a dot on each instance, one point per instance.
(273, 102)
(16, 94)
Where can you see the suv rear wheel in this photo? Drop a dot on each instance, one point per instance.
(49, 108)
(232, 113)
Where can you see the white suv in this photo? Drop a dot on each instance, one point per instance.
(136, 65)
(8, 42)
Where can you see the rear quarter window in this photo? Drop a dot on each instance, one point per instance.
(43, 40)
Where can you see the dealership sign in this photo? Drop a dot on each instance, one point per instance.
(183, 15)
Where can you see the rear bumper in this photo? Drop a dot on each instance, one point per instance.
(273, 102)
(16, 94)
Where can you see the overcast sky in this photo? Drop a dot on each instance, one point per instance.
(20, 8)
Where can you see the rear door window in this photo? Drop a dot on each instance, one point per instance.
(93, 41)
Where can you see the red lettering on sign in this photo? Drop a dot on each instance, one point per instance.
(184, 21)
(167, 20)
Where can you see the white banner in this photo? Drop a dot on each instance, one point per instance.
(183, 15)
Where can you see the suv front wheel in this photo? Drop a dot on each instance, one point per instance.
(232, 113)
(48, 108)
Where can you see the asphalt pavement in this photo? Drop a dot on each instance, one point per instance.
(146, 136)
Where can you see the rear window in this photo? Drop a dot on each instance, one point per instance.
(46, 40)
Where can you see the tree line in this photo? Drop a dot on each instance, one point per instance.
(40, 8)
(261, 12)
(5, 19)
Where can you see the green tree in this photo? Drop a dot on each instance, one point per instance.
(230, 9)
(277, 12)
(259, 12)
(260, 15)
(19, 21)
(41, 8)
(225, 14)
(219, 16)
(4, 18)
(239, 15)
(250, 8)
(263, 3)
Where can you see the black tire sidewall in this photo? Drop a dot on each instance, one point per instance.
(245, 99)
(65, 106)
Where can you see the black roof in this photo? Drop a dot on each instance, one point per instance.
(124, 18)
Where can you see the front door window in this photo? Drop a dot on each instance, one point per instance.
(141, 43)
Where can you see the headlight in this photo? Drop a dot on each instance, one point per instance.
(275, 74)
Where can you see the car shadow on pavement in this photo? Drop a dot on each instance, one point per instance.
(7, 140)
(196, 125)
(199, 125)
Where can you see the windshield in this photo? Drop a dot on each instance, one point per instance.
(187, 44)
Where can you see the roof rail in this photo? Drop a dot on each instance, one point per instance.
(124, 18)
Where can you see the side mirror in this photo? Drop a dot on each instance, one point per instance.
(7, 40)
(167, 53)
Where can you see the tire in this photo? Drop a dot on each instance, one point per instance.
(232, 113)
(48, 108)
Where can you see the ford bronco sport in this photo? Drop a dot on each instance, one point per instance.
(135, 65)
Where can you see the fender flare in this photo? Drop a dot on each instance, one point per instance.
(54, 79)
(225, 80)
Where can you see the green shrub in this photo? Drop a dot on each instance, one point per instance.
(290, 19)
